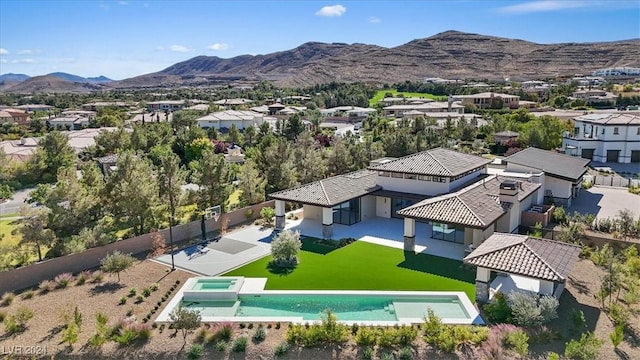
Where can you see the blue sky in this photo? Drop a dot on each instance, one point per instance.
(121, 39)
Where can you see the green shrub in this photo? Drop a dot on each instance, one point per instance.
(498, 310)
(587, 348)
(366, 336)
(532, 310)
(27, 294)
(553, 356)
(250, 326)
(559, 215)
(260, 334)
(432, 326)
(619, 314)
(139, 298)
(387, 356)
(3, 315)
(146, 292)
(123, 300)
(154, 286)
(63, 280)
(406, 334)
(405, 354)
(221, 346)
(388, 338)
(284, 249)
(281, 349)
(45, 286)
(578, 318)
(224, 331)
(133, 292)
(97, 276)
(82, 277)
(239, 344)
(70, 334)
(354, 328)
(17, 323)
(7, 299)
(518, 341)
(196, 351)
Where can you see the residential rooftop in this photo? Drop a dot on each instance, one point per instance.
(434, 162)
(524, 255)
(610, 119)
(553, 163)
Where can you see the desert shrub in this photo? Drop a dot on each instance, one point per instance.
(139, 298)
(45, 286)
(531, 310)
(388, 338)
(617, 336)
(154, 286)
(432, 326)
(354, 328)
(367, 353)
(196, 351)
(578, 318)
(97, 276)
(387, 356)
(281, 349)
(127, 331)
(223, 331)
(239, 344)
(260, 334)
(63, 280)
(17, 323)
(7, 299)
(250, 326)
(123, 300)
(559, 215)
(406, 334)
(27, 294)
(619, 314)
(405, 354)
(498, 310)
(221, 346)
(366, 336)
(146, 292)
(100, 337)
(334, 332)
(587, 348)
(3, 315)
(553, 356)
(133, 292)
(518, 341)
(267, 214)
(285, 247)
(83, 277)
(70, 334)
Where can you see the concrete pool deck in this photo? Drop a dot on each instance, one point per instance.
(255, 287)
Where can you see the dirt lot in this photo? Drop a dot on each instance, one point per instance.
(44, 329)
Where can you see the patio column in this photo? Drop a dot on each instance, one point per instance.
(280, 213)
(327, 223)
(482, 284)
(409, 234)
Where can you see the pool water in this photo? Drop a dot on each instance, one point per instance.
(345, 307)
(214, 284)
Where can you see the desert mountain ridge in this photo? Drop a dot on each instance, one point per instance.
(450, 54)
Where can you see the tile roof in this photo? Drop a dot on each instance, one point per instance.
(477, 205)
(331, 191)
(523, 255)
(560, 165)
(435, 162)
(610, 119)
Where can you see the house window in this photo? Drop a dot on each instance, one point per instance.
(397, 175)
(347, 213)
(424, 177)
(615, 131)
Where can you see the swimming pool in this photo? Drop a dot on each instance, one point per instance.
(248, 301)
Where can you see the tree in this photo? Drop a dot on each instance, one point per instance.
(185, 320)
(6, 193)
(339, 160)
(293, 127)
(171, 177)
(196, 148)
(131, 192)
(33, 229)
(249, 135)
(111, 142)
(251, 184)
(309, 161)
(285, 247)
(626, 223)
(117, 262)
(234, 135)
(57, 154)
(211, 173)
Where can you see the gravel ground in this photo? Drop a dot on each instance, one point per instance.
(44, 329)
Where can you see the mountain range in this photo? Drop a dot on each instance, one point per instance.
(451, 54)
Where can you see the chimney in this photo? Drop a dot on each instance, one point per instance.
(509, 191)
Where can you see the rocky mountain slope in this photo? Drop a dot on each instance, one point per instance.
(52, 84)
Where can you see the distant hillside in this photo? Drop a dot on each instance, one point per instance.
(451, 54)
(52, 84)
(80, 79)
(13, 77)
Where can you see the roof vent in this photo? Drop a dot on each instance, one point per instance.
(509, 188)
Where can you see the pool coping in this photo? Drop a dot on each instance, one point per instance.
(469, 308)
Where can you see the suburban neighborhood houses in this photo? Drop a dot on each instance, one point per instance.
(458, 196)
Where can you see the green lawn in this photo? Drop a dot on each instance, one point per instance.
(9, 215)
(380, 95)
(6, 239)
(364, 266)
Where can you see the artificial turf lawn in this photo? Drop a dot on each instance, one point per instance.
(363, 266)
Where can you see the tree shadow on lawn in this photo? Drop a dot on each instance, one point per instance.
(436, 265)
(279, 270)
(315, 246)
(109, 287)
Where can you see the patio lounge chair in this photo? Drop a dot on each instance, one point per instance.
(202, 249)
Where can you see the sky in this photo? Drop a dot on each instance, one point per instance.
(122, 39)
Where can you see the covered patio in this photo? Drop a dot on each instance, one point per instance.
(383, 231)
(521, 263)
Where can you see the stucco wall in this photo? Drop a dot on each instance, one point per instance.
(383, 207)
(312, 212)
(413, 186)
(368, 207)
(32, 275)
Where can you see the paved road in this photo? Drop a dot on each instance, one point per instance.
(13, 206)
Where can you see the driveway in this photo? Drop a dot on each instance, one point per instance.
(605, 202)
(13, 206)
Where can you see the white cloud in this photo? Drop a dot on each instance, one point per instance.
(3, 51)
(545, 6)
(159, 48)
(179, 48)
(332, 11)
(218, 47)
(374, 20)
(123, 2)
(3, 61)
(24, 61)
(28, 51)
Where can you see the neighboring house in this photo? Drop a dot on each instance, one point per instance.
(613, 137)
(225, 119)
(233, 102)
(595, 97)
(84, 113)
(234, 155)
(347, 111)
(97, 105)
(199, 107)
(35, 107)
(426, 107)
(69, 123)
(15, 116)
(20, 150)
(487, 100)
(108, 163)
(166, 105)
(620, 71)
(521, 263)
(560, 174)
(504, 137)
